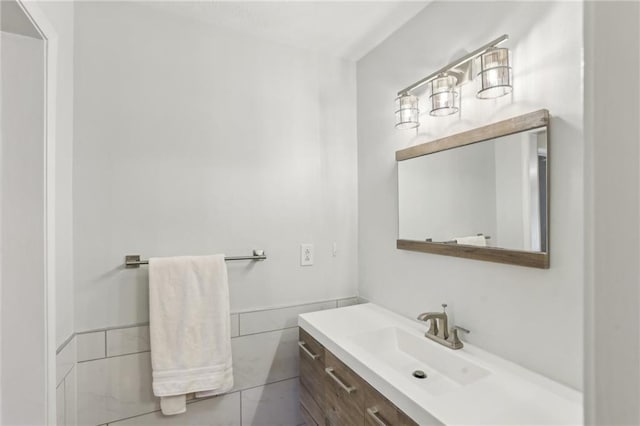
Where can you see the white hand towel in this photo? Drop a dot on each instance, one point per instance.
(190, 329)
(475, 240)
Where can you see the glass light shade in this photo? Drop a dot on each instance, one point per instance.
(443, 96)
(495, 74)
(407, 112)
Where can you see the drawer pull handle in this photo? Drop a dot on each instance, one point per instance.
(348, 389)
(373, 413)
(311, 355)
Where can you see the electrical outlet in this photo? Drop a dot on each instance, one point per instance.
(306, 254)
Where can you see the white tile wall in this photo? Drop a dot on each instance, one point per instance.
(273, 404)
(70, 398)
(115, 388)
(65, 360)
(348, 302)
(235, 325)
(60, 417)
(223, 410)
(264, 358)
(277, 319)
(91, 345)
(66, 400)
(121, 341)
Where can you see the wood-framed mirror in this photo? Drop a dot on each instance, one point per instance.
(482, 194)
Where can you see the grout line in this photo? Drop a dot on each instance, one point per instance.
(69, 372)
(149, 350)
(114, 356)
(239, 313)
(113, 327)
(276, 308)
(66, 373)
(89, 360)
(269, 383)
(196, 399)
(191, 401)
(265, 332)
(65, 343)
(131, 417)
(240, 397)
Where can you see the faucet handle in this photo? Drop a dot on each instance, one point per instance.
(464, 330)
(454, 340)
(444, 308)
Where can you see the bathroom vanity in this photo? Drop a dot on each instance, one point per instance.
(333, 394)
(357, 367)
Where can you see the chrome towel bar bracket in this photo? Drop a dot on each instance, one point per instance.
(134, 261)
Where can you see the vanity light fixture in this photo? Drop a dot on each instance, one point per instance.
(443, 95)
(444, 85)
(407, 112)
(494, 74)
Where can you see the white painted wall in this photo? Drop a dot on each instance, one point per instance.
(530, 316)
(612, 385)
(191, 139)
(60, 16)
(22, 200)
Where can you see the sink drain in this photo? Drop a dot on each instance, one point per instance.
(420, 374)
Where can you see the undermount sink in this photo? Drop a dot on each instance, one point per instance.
(405, 353)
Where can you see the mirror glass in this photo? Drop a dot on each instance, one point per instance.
(491, 193)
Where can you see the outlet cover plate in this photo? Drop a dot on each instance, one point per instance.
(306, 254)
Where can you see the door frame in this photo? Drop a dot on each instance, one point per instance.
(50, 38)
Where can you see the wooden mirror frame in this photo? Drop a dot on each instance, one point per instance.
(507, 127)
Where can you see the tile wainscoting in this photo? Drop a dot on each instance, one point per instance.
(113, 373)
(66, 383)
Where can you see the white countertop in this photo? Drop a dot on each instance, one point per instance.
(508, 395)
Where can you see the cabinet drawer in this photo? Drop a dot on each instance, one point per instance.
(379, 411)
(312, 358)
(344, 394)
(310, 404)
(308, 420)
(331, 394)
(404, 420)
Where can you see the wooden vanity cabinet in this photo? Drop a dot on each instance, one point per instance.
(379, 411)
(331, 394)
(312, 394)
(344, 394)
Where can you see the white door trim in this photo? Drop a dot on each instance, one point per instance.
(50, 37)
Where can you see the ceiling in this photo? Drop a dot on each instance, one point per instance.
(346, 29)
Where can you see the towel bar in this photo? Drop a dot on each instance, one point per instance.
(134, 261)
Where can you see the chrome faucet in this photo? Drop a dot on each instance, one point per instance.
(439, 328)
